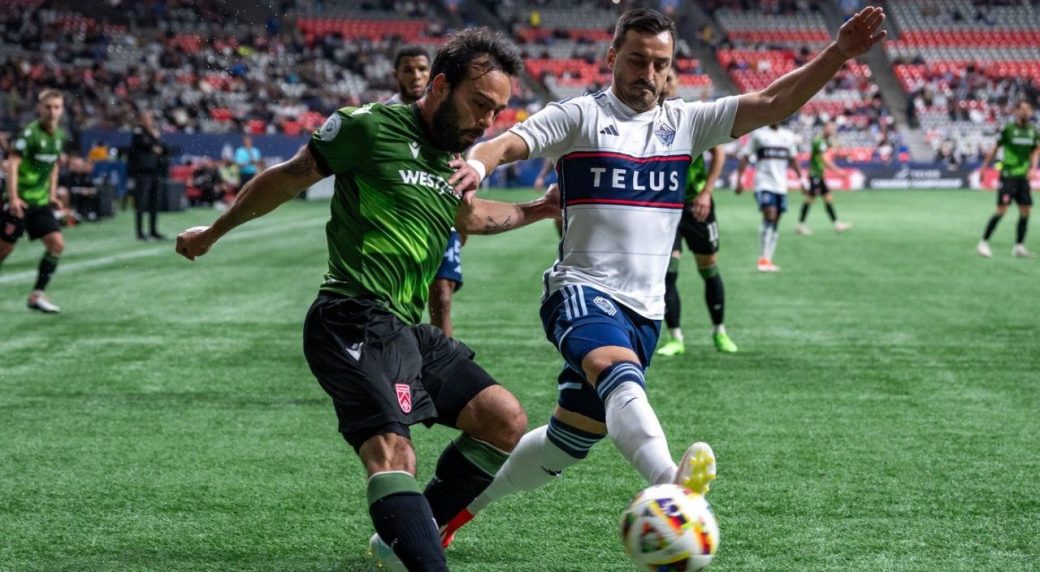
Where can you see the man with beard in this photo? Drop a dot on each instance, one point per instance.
(412, 73)
(622, 159)
(392, 212)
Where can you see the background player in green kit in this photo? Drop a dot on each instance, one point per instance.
(32, 182)
(392, 212)
(701, 232)
(1021, 144)
(699, 228)
(819, 162)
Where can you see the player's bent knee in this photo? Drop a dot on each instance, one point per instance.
(387, 452)
(494, 416)
(599, 359)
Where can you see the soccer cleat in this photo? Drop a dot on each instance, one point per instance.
(724, 344)
(41, 303)
(842, 226)
(802, 229)
(697, 468)
(672, 347)
(983, 249)
(1020, 251)
(383, 555)
(766, 265)
(448, 530)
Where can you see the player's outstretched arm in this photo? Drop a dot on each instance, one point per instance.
(493, 217)
(260, 196)
(787, 94)
(505, 148)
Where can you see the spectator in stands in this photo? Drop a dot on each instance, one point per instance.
(248, 160)
(146, 164)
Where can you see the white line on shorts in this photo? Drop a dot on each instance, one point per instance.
(167, 249)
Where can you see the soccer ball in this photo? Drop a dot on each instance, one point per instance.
(668, 528)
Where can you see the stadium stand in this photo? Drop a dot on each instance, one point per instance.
(963, 64)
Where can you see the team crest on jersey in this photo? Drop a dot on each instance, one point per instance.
(404, 396)
(665, 134)
(330, 128)
(605, 305)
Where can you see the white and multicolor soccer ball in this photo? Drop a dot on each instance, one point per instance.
(668, 528)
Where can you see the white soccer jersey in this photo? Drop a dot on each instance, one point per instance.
(621, 177)
(771, 150)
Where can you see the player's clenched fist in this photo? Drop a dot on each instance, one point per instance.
(193, 242)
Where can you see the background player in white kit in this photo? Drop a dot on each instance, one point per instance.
(774, 150)
(621, 158)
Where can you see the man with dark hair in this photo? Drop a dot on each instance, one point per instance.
(412, 73)
(699, 228)
(1021, 142)
(621, 159)
(32, 186)
(819, 161)
(146, 166)
(392, 211)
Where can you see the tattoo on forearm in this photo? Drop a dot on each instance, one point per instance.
(492, 226)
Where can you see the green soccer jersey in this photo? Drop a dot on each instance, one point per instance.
(392, 209)
(1018, 143)
(816, 165)
(696, 178)
(39, 151)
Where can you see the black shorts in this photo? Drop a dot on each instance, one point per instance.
(818, 187)
(384, 375)
(701, 237)
(39, 221)
(1014, 188)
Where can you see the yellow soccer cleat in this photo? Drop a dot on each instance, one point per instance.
(697, 468)
(672, 347)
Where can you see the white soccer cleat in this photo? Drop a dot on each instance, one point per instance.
(766, 265)
(840, 226)
(41, 303)
(1020, 251)
(983, 249)
(384, 556)
(802, 230)
(697, 468)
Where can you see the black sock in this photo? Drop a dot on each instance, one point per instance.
(403, 519)
(1023, 224)
(805, 212)
(714, 294)
(464, 470)
(830, 211)
(991, 226)
(672, 302)
(48, 264)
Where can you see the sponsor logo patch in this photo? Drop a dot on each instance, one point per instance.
(605, 305)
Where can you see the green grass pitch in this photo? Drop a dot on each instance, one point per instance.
(881, 414)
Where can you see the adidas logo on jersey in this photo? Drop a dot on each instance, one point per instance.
(609, 130)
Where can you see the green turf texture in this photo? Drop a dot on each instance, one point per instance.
(881, 413)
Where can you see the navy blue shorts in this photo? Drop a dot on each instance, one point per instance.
(579, 319)
(768, 199)
(451, 265)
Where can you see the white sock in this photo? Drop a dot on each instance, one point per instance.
(763, 232)
(526, 469)
(772, 236)
(676, 333)
(633, 427)
(719, 329)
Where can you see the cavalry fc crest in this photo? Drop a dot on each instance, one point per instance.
(404, 396)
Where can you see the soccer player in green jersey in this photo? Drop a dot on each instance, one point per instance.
(1021, 143)
(699, 228)
(32, 186)
(819, 162)
(392, 212)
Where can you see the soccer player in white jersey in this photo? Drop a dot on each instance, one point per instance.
(621, 158)
(774, 150)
